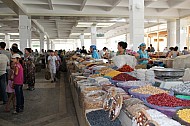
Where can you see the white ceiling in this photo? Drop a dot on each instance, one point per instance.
(69, 18)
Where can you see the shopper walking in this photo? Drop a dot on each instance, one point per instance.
(52, 61)
(18, 84)
(3, 82)
(10, 89)
(29, 69)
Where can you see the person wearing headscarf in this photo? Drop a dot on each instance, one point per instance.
(143, 54)
(29, 69)
(94, 52)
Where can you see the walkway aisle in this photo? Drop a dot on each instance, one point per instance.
(48, 105)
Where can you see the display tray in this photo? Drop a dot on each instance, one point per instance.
(176, 117)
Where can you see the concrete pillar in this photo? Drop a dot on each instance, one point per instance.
(48, 42)
(181, 33)
(171, 38)
(51, 45)
(136, 20)
(130, 45)
(82, 39)
(23, 31)
(93, 34)
(29, 33)
(7, 40)
(41, 41)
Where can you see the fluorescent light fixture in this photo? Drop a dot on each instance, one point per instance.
(2, 33)
(14, 34)
(77, 34)
(119, 20)
(104, 24)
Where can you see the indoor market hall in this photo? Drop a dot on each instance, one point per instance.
(94, 62)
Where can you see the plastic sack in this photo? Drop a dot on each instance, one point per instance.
(121, 60)
(186, 76)
(47, 74)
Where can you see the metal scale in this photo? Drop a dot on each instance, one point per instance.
(167, 83)
(168, 78)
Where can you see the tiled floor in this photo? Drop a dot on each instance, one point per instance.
(50, 104)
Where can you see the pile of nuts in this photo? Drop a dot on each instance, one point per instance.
(184, 114)
(93, 105)
(149, 90)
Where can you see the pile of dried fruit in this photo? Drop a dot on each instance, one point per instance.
(184, 114)
(148, 89)
(124, 77)
(167, 100)
(126, 68)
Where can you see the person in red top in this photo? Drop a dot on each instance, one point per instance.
(18, 84)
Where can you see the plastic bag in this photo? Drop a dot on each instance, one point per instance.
(121, 60)
(47, 74)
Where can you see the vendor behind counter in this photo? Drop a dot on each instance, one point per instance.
(143, 58)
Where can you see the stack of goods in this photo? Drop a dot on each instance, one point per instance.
(94, 99)
(140, 74)
(165, 103)
(112, 73)
(182, 89)
(149, 76)
(132, 84)
(126, 68)
(133, 106)
(124, 77)
(183, 116)
(100, 118)
(84, 90)
(146, 91)
(153, 117)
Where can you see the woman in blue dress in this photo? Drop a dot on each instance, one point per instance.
(94, 52)
(143, 55)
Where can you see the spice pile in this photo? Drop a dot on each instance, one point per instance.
(113, 73)
(167, 100)
(149, 90)
(126, 68)
(124, 77)
(184, 114)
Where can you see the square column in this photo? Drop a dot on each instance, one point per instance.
(29, 33)
(93, 34)
(82, 39)
(48, 42)
(7, 40)
(181, 33)
(171, 30)
(23, 31)
(41, 41)
(136, 21)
